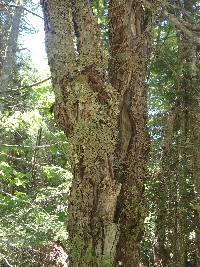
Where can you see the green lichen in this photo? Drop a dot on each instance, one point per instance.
(135, 210)
(94, 131)
(86, 256)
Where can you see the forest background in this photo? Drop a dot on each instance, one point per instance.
(35, 160)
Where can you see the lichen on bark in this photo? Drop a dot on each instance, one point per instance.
(104, 120)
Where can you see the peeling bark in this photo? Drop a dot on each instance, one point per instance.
(127, 75)
(94, 115)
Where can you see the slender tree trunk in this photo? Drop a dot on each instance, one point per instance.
(191, 82)
(11, 48)
(195, 144)
(192, 132)
(188, 155)
(196, 175)
(106, 207)
(5, 27)
(161, 253)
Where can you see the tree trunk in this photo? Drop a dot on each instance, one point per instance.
(127, 75)
(161, 254)
(196, 174)
(11, 48)
(192, 125)
(195, 151)
(188, 169)
(4, 31)
(105, 124)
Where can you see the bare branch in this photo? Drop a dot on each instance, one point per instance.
(7, 262)
(25, 86)
(25, 146)
(5, 5)
(192, 27)
(29, 11)
(184, 26)
(35, 155)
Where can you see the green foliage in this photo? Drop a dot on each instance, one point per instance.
(100, 9)
(31, 221)
(34, 182)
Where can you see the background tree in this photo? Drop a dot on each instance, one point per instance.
(172, 184)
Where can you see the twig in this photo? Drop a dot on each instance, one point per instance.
(173, 20)
(7, 262)
(27, 10)
(26, 146)
(25, 86)
(33, 13)
(36, 151)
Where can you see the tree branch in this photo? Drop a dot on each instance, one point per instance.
(88, 35)
(35, 155)
(42, 146)
(61, 50)
(173, 20)
(2, 5)
(25, 86)
(29, 11)
(6, 261)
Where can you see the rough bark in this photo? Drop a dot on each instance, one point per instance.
(94, 114)
(85, 111)
(127, 75)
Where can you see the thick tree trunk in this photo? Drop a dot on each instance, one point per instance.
(127, 74)
(106, 208)
(86, 109)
